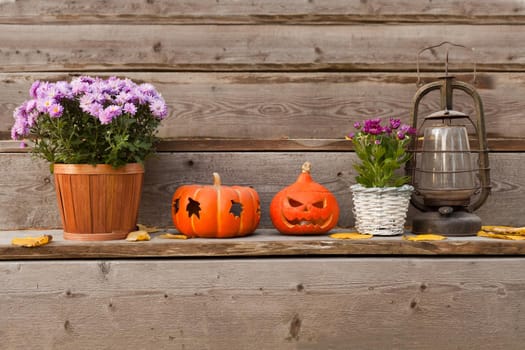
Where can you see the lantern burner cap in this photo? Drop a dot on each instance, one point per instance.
(447, 114)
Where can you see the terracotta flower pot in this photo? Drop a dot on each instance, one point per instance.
(98, 202)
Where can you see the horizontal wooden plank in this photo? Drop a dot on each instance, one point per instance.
(388, 303)
(269, 11)
(252, 145)
(374, 47)
(263, 243)
(311, 109)
(27, 200)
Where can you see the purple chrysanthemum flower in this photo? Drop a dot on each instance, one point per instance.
(43, 105)
(95, 109)
(64, 90)
(129, 108)
(56, 110)
(34, 88)
(123, 97)
(19, 129)
(407, 129)
(373, 126)
(109, 113)
(105, 100)
(81, 85)
(158, 108)
(148, 89)
(395, 123)
(30, 106)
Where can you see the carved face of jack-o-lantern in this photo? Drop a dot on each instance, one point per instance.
(215, 211)
(305, 207)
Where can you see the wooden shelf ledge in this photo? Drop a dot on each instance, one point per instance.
(262, 243)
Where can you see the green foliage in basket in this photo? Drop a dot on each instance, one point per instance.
(381, 150)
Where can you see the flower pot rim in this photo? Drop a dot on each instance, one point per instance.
(90, 169)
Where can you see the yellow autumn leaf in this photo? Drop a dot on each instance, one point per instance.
(350, 235)
(148, 229)
(173, 236)
(500, 236)
(425, 237)
(520, 231)
(31, 242)
(139, 235)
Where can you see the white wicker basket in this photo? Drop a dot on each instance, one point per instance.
(381, 210)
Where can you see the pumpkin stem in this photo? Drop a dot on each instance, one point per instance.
(216, 179)
(306, 167)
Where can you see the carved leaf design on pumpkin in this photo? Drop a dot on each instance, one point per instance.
(193, 208)
(236, 209)
(176, 205)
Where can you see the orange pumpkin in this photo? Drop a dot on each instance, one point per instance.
(305, 207)
(215, 211)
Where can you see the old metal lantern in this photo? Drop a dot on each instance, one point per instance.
(450, 165)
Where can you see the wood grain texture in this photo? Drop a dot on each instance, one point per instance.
(270, 11)
(368, 303)
(373, 47)
(308, 107)
(262, 244)
(28, 199)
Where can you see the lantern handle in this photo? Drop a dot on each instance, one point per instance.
(474, 78)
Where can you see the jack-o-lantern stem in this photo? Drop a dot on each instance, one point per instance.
(305, 176)
(307, 166)
(216, 179)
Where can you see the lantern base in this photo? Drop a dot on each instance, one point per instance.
(447, 222)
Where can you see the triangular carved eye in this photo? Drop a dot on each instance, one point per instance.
(193, 208)
(236, 209)
(176, 204)
(294, 203)
(319, 204)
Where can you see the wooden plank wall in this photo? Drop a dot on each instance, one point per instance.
(256, 88)
(314, 304)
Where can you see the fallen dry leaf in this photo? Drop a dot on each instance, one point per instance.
(173, 236)
(350, 235)
(506, 230)
(140, 235)
(31, 242)
(148, 229)
(500, 236)
(425, 237)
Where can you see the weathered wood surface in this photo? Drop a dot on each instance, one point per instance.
(262, 243)
(74, 47)
(28, 200)
(269, 11)
(361, 303)
(318, 108)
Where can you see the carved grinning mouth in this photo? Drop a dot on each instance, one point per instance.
(321, 223)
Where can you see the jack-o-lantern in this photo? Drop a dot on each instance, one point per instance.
(305, 207)
(215, 211)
